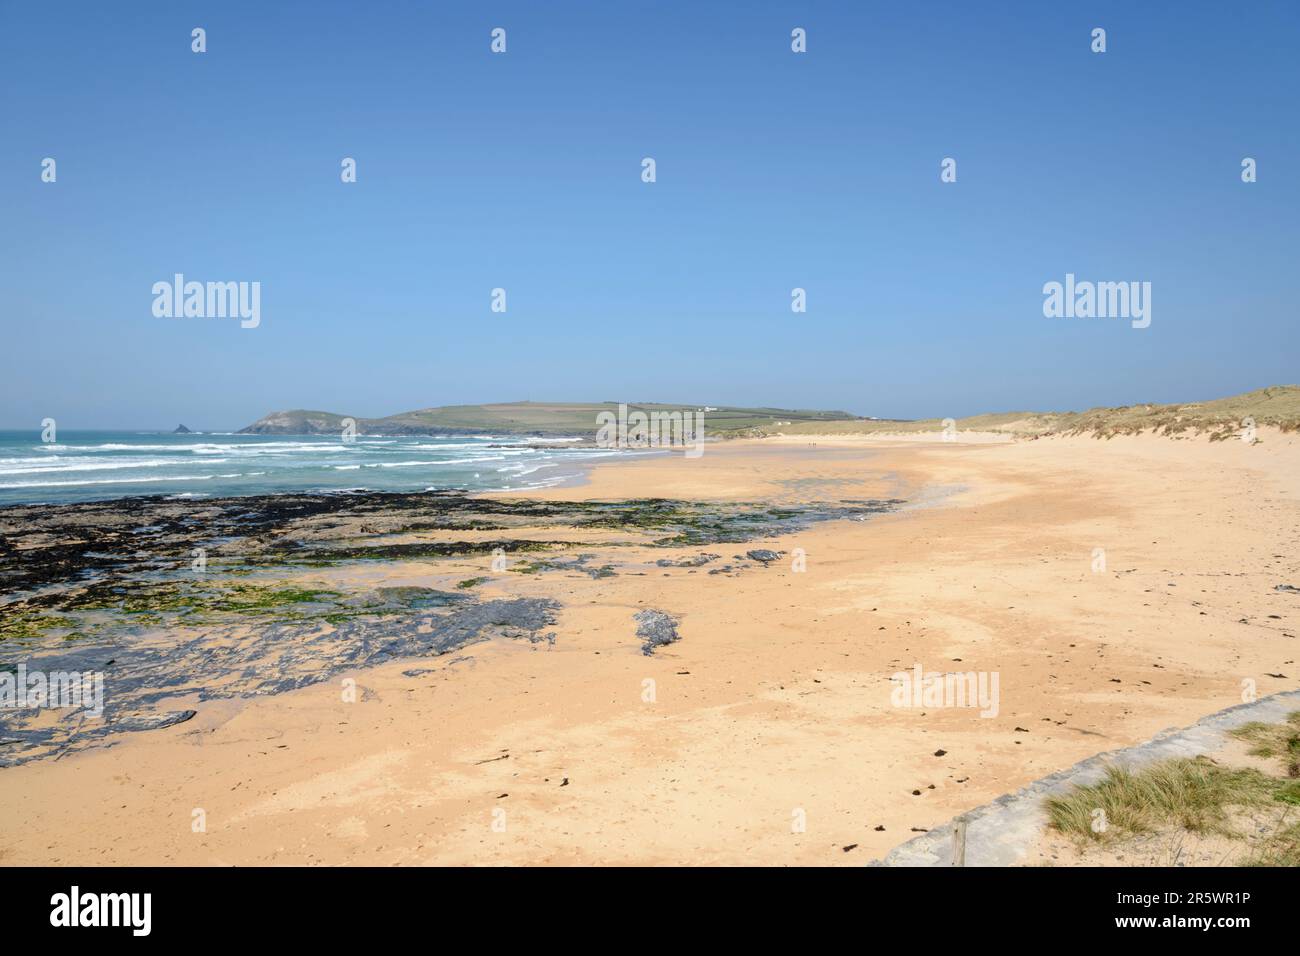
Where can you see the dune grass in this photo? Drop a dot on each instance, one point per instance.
(1194, 794)
(1277, 406)
(1275, 740)
(1282, 850)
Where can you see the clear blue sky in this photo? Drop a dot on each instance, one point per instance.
(775, 170)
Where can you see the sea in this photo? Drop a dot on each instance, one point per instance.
(95, 465)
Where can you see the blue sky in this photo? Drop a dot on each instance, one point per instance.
(522, 171)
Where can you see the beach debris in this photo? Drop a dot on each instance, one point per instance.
(1287, 587)
(940, 752)
(655, 628)
(851, 846)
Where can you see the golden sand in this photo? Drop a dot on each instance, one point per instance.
(774, 708)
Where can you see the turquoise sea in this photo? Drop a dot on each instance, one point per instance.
(92, 465)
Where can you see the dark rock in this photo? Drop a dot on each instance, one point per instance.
(405, 598)
(152, 721)
(695, 562)
(655, 628)
(44, 545)
(80, 583)
(227, 661)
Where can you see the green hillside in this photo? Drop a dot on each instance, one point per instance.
(528, 418)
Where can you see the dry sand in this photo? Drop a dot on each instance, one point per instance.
(774, 707)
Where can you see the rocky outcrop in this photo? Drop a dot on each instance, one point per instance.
(301, 422)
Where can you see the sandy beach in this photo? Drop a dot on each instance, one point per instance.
(766, 734)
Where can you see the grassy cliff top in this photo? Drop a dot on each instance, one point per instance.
(529, 418)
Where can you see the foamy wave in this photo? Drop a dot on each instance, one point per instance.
(106, 481)
(473, 461)
(446, 446)
(107, 461)
(120, 464)
(209, 448)
(406, 464)
(524, 469)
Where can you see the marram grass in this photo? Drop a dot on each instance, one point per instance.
(1275, 740)
(1194, 794)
